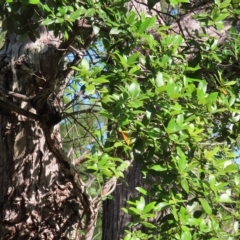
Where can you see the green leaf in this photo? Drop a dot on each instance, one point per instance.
(192, 221)
(146, 24)
(103, 160)
(84, 64)
(140, 204)
(205, 206)
(173, 90)
(221, 17)
(77, 14)
(76, 68)
(159, 79)
(229, 166)
(161, 206)
(106, 172)
(159, 168)
(225, 4)
(177, 41)
(28, 2)
(236, 226)
(141, 190)
(134, 210)
(90, 89)
(100, 80)
(186, 235)
(185, 186)
(134, 90)
(96, 30)
(235, 3)
(135, 104)
(212, 181)
(132, 59)
(237, 180)
(182, 163)
(149, 207)
(202, 86)
(115, 31)
(59, 20)
(47, 21)
(230, 83)
(147, 224)
(224, 198)
(212, 96)
(89, 12)
(131, 17)
(128, 237)
(33, 1)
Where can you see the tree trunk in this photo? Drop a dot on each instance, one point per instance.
(37, 201)
(114, 219)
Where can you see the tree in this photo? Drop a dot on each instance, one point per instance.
(170, 97)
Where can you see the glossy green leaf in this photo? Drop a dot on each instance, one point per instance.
(159, 80)
(100, 80)
(147, 224)
(141, 190)
(90, 89)
(33, 1)
(186, 235)
(185, 186)
(236, 226)
(149, 207)
(162, 206)
(115, 31)
(159, 168)
(140, 204)
(134, 90)
(128, 237)
(205, 205)
(134, 210)
(77, 14)
(225, 4)
(224, 198)
(230, 83)
(84, 64)
(146, 24)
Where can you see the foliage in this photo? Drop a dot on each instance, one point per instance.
(171, 104)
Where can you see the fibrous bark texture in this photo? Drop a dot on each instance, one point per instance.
(37, 201)
(114, 219)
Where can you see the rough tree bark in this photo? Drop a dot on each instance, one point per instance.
(41, 196)
(114, 219)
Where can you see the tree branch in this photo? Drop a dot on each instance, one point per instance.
(6, 104)
(15, 95)
(73, 175)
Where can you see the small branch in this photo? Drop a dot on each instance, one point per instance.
(71, 173)
(109, 186)
(74, 99)
(95, 139)
(6, 104)
(231, 210)
(66, 115)
(80, 160)
(15, 95)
